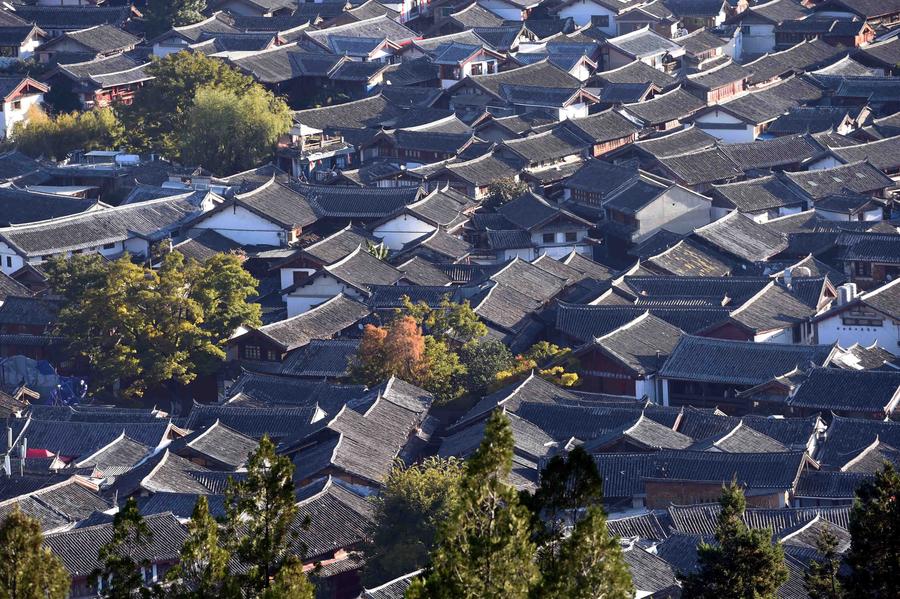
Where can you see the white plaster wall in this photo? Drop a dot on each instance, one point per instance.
(10, 261)
(502, 9)
(523, 253)
(12, 116)
(323, 288)
(759, 40)
(582, 11)
(833, 329)
(825, 162)
(286, 275)
(399, 231)
(738, 131)
(679, 210)
(781, 336)
(244, 227)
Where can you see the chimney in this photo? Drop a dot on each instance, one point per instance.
(846, 293)
(787, 278)
(7, 465)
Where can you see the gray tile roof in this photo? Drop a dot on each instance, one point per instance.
(883, 154)
(73, 17)
(688, 139)
(739, 235)
(771, 102)
(689, 258)
(153, 219)
(847, 437)
(738, 362)
(78, 549)
(18, 206)
(670, 106)
(642, 43)
(753, 195)
(641, 345)
(585, 323)
(100, 39)
(773, 308)
(858, 176)
(322, 322)
(836, 389)
(223, 446)
(637, 72)
(278, 422)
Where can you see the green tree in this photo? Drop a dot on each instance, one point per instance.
(156, 119)
(450, 321)
(202, 569)
(28, 570)
(874, 555)
(162, 15)
(261, 510)
(120, 566)
(568, 484)
(588, 562)
(484, 549)
(290, 582)
(413, 502)
(744, 564)
(483, 360)
(228, 131)
(56, 137)
(822, 579)
(504, 190)
(441, 371)
(379, 250)
(537, 355)
(400, 350)
(140, 328)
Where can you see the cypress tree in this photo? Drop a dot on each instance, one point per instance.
(261, 510)
(484, 550)
(821, 580)
(744, 564)
(121, 569)
(202, 570)
(586, 563)
(27, 569)
(874, 555)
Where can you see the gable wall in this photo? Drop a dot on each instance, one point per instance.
(678, 210)
(244, 227)
(401, 230)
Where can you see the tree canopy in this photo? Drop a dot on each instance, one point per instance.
(28, 570)
(261, 510)
(744, 563)
(157, 117)
(139, 328)
(874, 555)
(414, 502)
(162, 15)
(484, 548)
(230, 131)
(56, 136)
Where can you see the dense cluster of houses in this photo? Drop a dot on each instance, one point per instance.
(705, 213)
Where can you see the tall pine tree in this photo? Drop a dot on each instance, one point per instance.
(261, 510)
(874, 555)
(745, 564)
(120, 565)
(586, 563)
(821, 580)
(202, 570)
(27, 569)
(484, 550)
